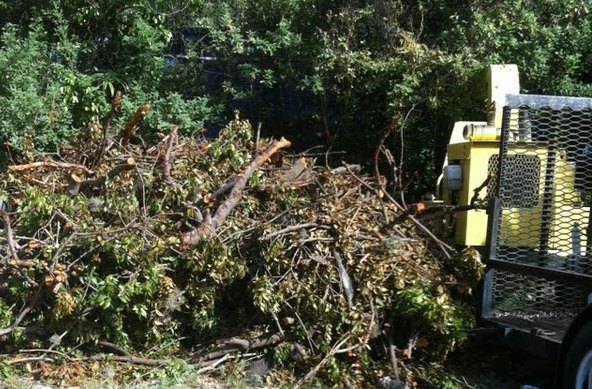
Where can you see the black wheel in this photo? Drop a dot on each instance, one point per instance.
(577, 369)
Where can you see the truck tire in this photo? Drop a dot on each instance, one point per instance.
(577, 369)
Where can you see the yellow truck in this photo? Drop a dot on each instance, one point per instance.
(530, 166)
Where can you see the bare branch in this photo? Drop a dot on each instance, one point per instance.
(75, 187)
(9, 236)
(208, 228)
(129, 359)
(312, 373)
(17, 321)
(48, 164)
(113, 347)
(131, 125)
(166, 161)
(212, 365)
(297, 227)
(115, 104)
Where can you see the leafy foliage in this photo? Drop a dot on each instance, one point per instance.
(107, 262)
(63, 63)
(336, 73)
(331, 73)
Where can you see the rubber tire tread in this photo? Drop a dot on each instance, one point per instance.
(579, 347)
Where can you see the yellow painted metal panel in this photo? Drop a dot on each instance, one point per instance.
(471, 226)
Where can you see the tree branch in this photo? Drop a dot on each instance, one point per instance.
(293, 228)
(312, 373)
(115, 103)
(74, 187)
(48, 164)
(209, 228)
(129, 359)
(9, 237)
(113, 347)
(17, 321)
(131, 125)
(166, 161)
(233, 345)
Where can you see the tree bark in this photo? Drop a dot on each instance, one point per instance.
(209, 227)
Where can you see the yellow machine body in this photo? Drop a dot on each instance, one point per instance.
(477, 160)
(473, 154)
(473, 158)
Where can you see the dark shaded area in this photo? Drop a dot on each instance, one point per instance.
(485, 364)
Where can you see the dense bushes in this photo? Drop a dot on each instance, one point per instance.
(331, 73)
(336, 73)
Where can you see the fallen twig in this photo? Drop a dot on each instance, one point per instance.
(212, 365)
(113, 347)
(45, 352)
(297, 227)
(129, 359)
(313, 372)
(27, 360)
(48, 164)
(17, 321)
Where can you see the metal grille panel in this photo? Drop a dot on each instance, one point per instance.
(541, 224)
(531, 295)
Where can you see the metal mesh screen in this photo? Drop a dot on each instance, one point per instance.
(544, 186)
(531, 295)
(525, 170)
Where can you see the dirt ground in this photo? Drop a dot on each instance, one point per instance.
(485, 364)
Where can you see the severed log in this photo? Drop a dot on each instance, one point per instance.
(131, 125)
(209, 227)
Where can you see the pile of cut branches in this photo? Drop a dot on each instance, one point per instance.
(207, 250)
